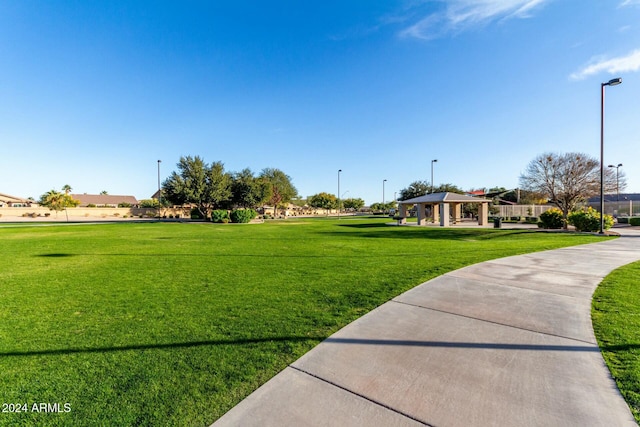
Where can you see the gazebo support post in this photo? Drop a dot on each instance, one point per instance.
(483, 213)
(444, 214)
(457, 212)
(420, 213)
(403, 214)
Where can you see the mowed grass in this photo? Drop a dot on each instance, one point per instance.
(175, 323)
(616, 322)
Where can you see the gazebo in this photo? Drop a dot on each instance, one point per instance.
(443, 205)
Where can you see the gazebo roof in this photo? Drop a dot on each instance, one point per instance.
(443, 198)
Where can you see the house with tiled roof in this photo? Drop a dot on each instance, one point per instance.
(107, 200)
(7, 201)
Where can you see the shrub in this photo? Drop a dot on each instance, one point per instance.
(91, 205)
(243, 215)
(124, 205)
(552, 218)
(623, 220)
(634, 221)
(149, 203)
(220, 215)
(589, 220)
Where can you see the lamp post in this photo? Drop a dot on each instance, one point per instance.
(612, 82)
(383, 181)
(617, 181)
(339, 170)
(432, 162)
(159, 193)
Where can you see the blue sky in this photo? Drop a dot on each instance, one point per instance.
(93, 93)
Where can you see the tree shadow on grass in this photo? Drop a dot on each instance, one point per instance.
(55, 255)
(383, 231)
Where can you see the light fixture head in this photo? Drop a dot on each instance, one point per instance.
(614, 82)
(611, 166)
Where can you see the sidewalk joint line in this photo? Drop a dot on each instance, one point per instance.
(375, 402)
(540, 291)
(495, 323)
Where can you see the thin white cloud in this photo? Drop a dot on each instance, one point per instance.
(629, 3)
(621, 64)
(461, 15)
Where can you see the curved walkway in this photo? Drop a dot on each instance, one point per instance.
(507, 342)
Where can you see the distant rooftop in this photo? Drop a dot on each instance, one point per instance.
(104, 199)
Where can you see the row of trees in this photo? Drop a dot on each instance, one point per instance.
(209, 187)
(330, 201)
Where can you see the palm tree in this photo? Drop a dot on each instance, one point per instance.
(66, 188)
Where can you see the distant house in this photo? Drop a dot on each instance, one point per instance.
(106, 200)
(7, 201)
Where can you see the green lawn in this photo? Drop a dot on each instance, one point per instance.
(616, 323)
(174, 323)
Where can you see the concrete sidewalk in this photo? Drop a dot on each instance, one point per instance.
(507, 342)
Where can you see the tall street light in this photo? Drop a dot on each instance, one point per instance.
(383, 181)
(617, 180)
(339, 170)
(432, 162)
(159, 193)
(612, 82)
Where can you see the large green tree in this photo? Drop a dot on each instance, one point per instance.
(415, 189)
(282, 189)
(448, 188)
(249, 191)
(353, 204)
(206, 186)
(420, 188)
(324, 201)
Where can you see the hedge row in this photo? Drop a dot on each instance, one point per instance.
(583, 220)
(237, 216)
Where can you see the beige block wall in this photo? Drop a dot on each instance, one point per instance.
(40, 213)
